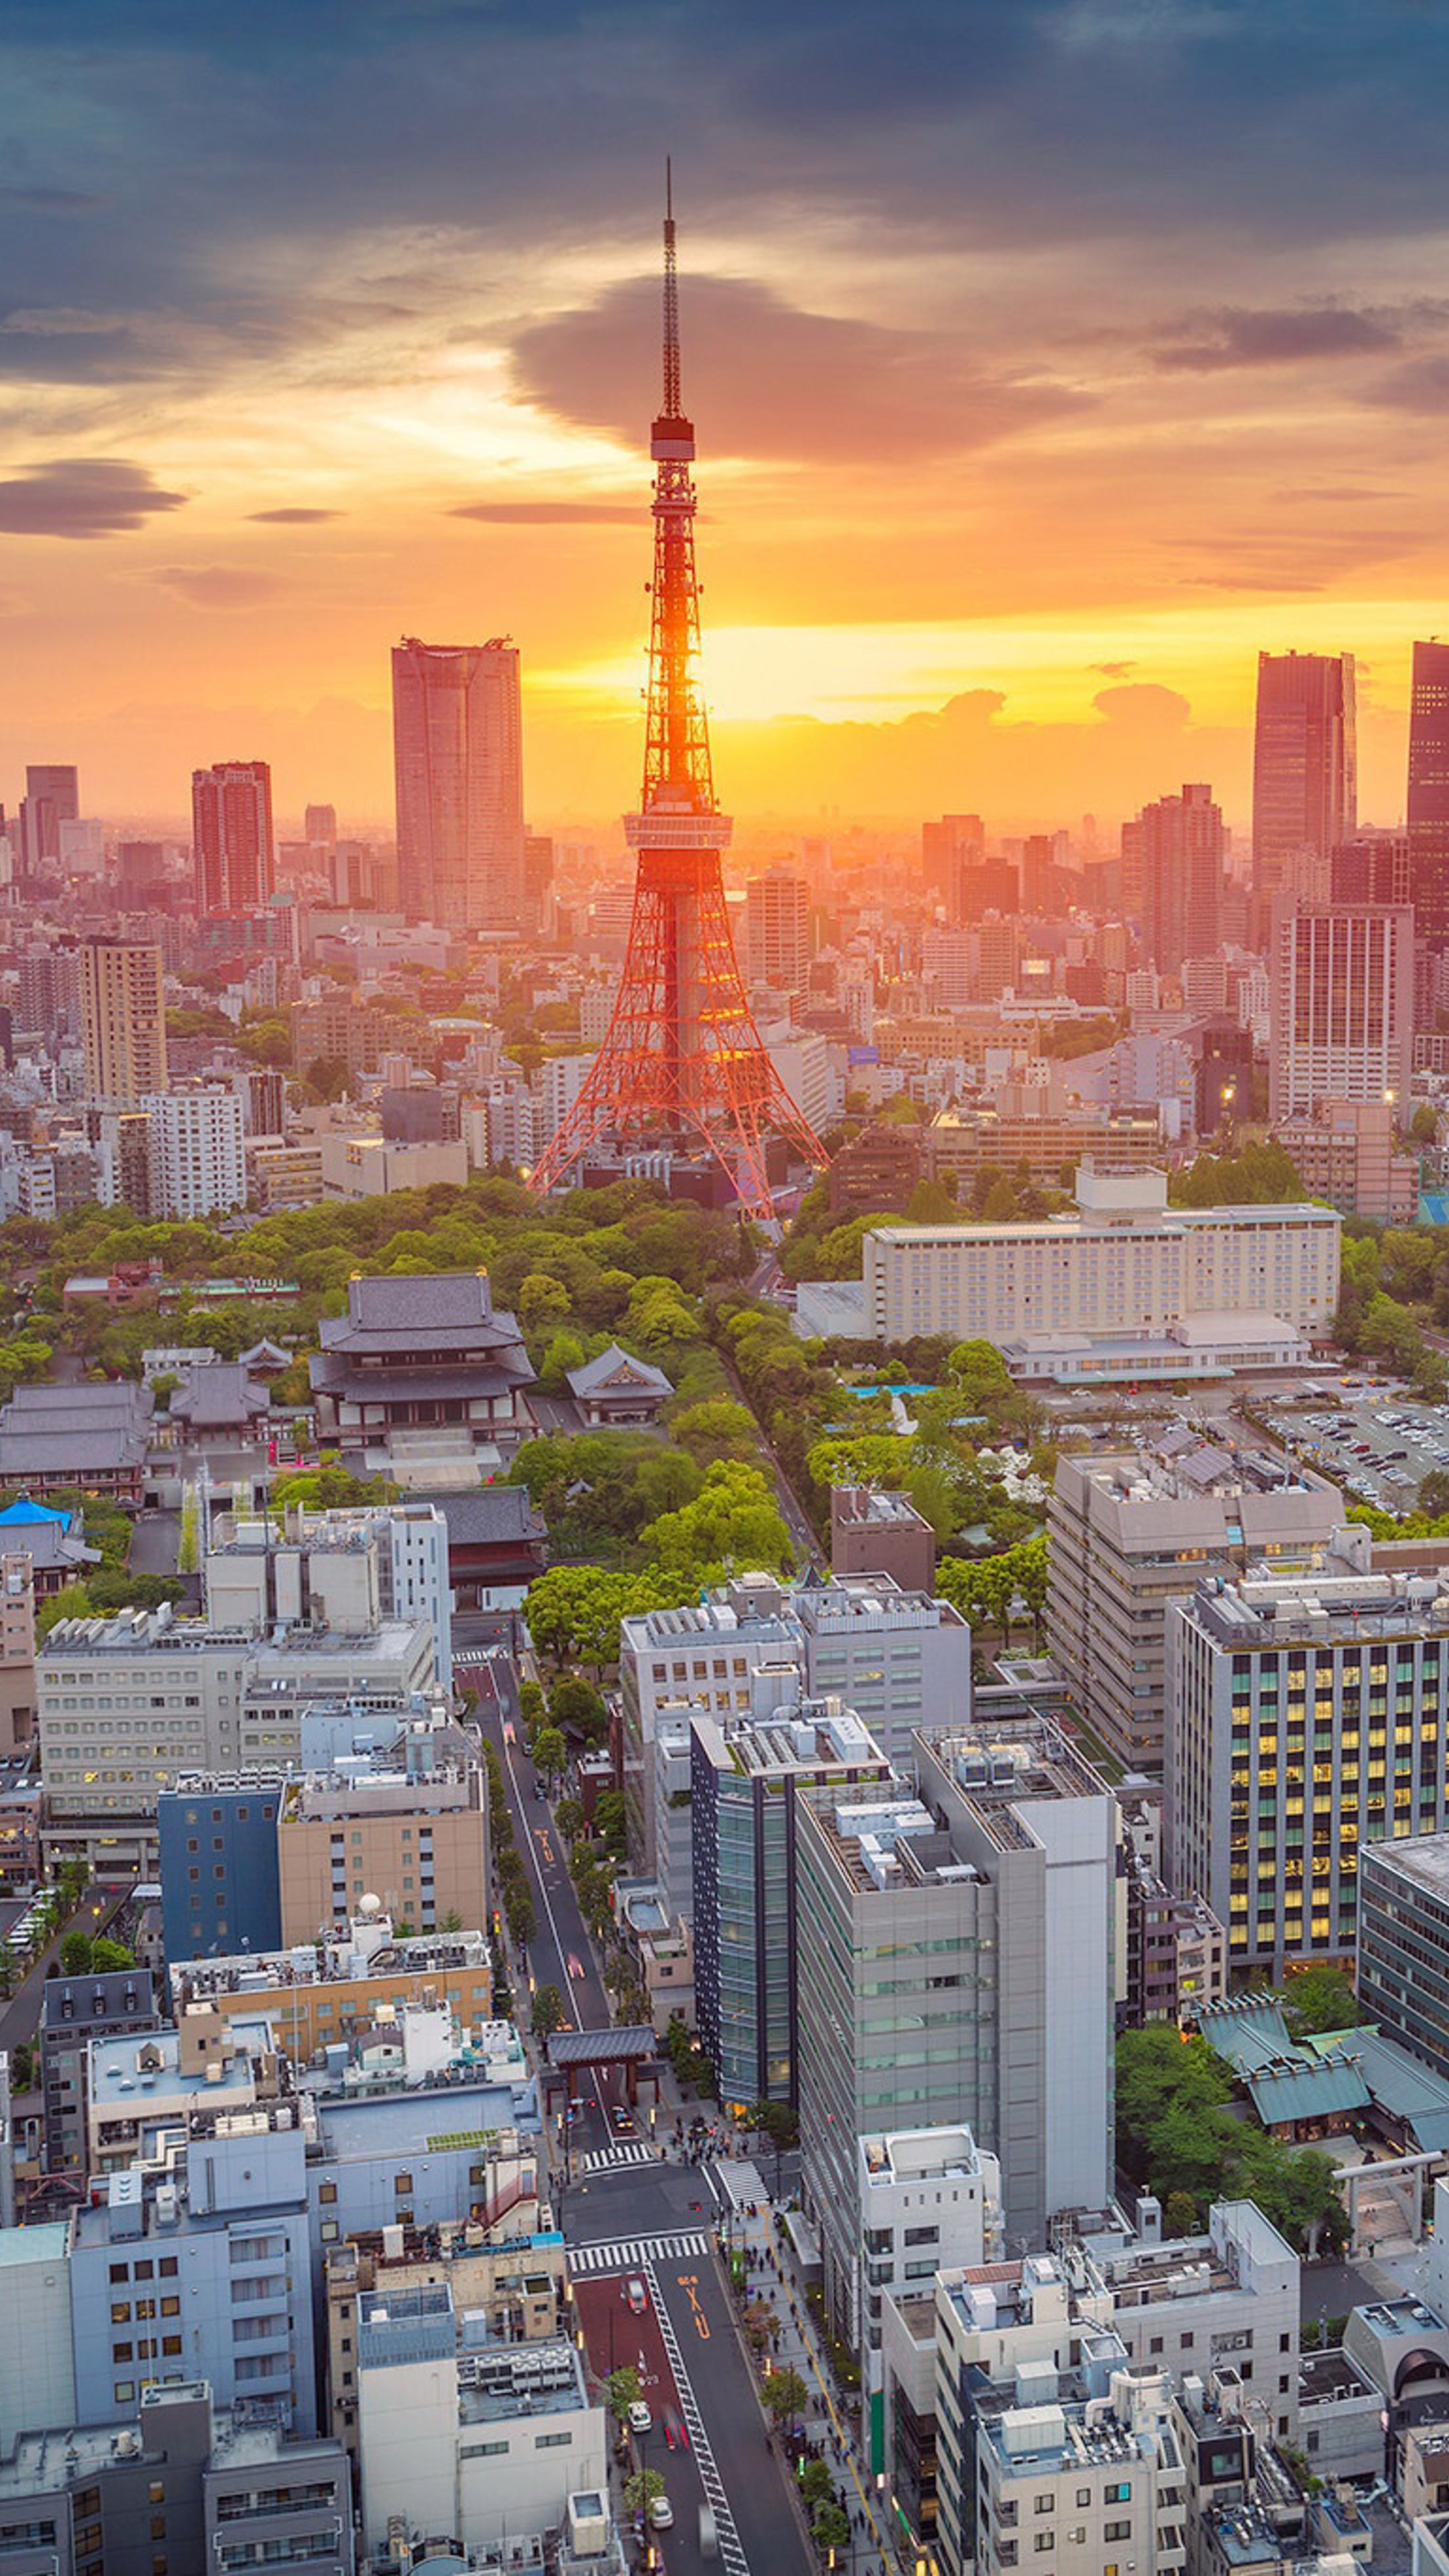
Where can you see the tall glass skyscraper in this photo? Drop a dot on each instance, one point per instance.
(1429, 795)
(458, 749)
(1305, 771)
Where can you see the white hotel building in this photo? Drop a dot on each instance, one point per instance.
(1123, 1286)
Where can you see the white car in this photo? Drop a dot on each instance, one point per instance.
(640, 2419)
(661, 2513)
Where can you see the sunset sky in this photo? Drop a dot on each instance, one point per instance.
(1048, 357)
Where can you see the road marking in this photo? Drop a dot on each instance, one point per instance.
(541, 1832)
(613, 2159)
(689, 2283)
(731, 2550)
(633, 2253)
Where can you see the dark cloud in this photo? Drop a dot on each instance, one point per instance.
(1421, 385)
(550, 514)
(217, 585)
(49, 201)
(296, 518)
(1237, 337)
(82, 496)
(61, 321)
(770, 381)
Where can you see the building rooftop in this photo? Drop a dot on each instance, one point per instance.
(1268, 1612)
(369, 1949)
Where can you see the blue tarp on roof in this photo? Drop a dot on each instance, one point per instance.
(24, 1514)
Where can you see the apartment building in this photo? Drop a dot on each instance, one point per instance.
(1345, 1151)
(930, 2200)
(957, 1967)
(1307, 1716)
(1129, 1533)
(17, 1646)
(74, 2011)
(198, 1152)
(1199, 2303)
(1089, 2476)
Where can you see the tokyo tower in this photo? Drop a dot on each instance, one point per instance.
(682, 1060)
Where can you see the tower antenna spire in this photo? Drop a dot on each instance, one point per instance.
(671, 300)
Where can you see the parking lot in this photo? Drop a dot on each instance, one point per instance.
(1379, 1446)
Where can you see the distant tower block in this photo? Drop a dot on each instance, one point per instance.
(682, 1060)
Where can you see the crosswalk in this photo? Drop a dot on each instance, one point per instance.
(629, 2151)
(631, 2253)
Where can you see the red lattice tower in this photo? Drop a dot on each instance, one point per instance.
(682, 1059)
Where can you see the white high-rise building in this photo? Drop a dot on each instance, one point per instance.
(1342, 1005)
(458, 748)
(198, 1152)
(777, 931)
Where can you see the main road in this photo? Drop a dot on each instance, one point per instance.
(627, 2214)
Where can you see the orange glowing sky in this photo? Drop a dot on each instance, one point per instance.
(1049, 358)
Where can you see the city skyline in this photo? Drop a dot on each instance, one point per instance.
(1043, 393)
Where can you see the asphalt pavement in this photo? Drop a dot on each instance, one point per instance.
(656, 2223)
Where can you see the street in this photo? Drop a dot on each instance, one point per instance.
(656, 2223)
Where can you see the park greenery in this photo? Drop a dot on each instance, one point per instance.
(1179, 2136)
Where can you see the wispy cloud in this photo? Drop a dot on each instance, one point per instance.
(82, 496)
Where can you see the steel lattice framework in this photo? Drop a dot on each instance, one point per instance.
(682, 1059)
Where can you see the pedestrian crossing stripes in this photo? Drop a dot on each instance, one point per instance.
(631, 2253)
(629, 2151)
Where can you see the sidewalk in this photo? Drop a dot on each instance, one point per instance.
(746, 2222)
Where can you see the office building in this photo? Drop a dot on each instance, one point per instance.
(1129, 1533)
(263, 1095)
(1306, 1717)
(874, 1530)
(744, 1781)
(52, 797)
(956, 841)
(369, 1167)
(1403, 1942)
(216, 1847)
(198, 1152)
(127, 1705)
(899, 1659)
(351, 1567)
(777, 931)
(1374, 869)
(957, 1967)
(418, 1842)
(233, 849)
(1042, 1129)
(1182, 2304)
(462, 2432)
(1305, 772)
(1125, 1266)
(1090, 2472)
(1347, 1152)
(1428, 802)
(457, 742)
(319, 826)
(1341, 1005)
(123, 1021)
(180, 2483)
(1181, 848)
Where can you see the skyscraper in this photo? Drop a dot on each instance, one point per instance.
(1305, 770)
(1180, 845)
(231, 827)
(1428, 812)
(123, 1022)
(1341, 988)
(458, 751)
(52, 797)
